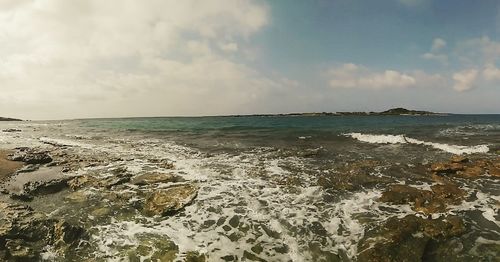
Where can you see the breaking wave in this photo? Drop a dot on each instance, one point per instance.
(402, 139)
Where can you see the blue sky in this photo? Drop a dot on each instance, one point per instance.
(116, 58)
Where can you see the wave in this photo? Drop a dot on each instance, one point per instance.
(402, 139)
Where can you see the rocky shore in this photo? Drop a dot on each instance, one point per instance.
(28, 175)
(31, 173)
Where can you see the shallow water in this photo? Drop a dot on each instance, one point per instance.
(261, 181)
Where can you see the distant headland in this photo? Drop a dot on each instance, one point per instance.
(391, 112)
(9, 119)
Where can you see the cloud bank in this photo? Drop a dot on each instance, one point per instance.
(124, 57)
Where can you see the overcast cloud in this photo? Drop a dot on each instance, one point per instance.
(94, 58)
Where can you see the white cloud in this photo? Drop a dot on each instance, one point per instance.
(437, 57)
(229, 47)
(435, 53)
(491, 72)
(481, 50)
(438, 44)
(101, 58)
(465, 80)
(354, 76)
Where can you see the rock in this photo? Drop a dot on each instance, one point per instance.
(114, 181)
(169, 201)
(493, 171)
(10, 130)
(153, 178)
(472, 172)
(446, 168)
(252, 257)
(19, 250)
(31, 156)
(406, 239)
(352, 176)
(109, 182)
(79, 182)
(66, 234)
(24, 232)
(424, 201)
(42, 181)
(459, 159)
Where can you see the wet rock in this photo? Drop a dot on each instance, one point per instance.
(80, 181)
(156, 249)
(424, 201)
(91, 181)
(472, 172)
(403, 194)
(252, 257)
(10, 130)
(23, 232)
(229, 258)
(66, 234)
(19, 250)
(495, 172)
(257, 249)
(114, 181)
(446, 168)
(193, 256)
(42, 181)
(459, 159)
(154, 178)
(234, 221)
(31, 156)
(45, 187)
(169, 201)
(406, 239)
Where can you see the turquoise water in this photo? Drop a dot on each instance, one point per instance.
(285, 131)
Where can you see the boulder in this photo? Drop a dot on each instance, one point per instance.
(31, 156)
(424, 201)
(472, 172)
(154, 178)
(406, 239)
(459, 159)
(446, 168)
(24, 232)
(169, 201)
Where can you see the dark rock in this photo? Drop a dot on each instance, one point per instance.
(10, 130)
(169, 201)
(234, 221)
(446, 168)
(424, 200)
(252, 257)
(31, 156)
(257, 249)
(406, 239)
(65, 233)
(19, 250)
(24, 232)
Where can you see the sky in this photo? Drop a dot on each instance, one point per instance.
(64, 59)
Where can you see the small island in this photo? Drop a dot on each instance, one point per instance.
(391, 112)
(9, 119)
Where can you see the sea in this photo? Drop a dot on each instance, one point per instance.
(262, 191)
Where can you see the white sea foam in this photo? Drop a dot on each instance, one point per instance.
(401, 139)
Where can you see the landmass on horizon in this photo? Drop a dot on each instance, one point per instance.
(391, 112)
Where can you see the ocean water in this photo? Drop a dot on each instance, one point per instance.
(261, 181)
